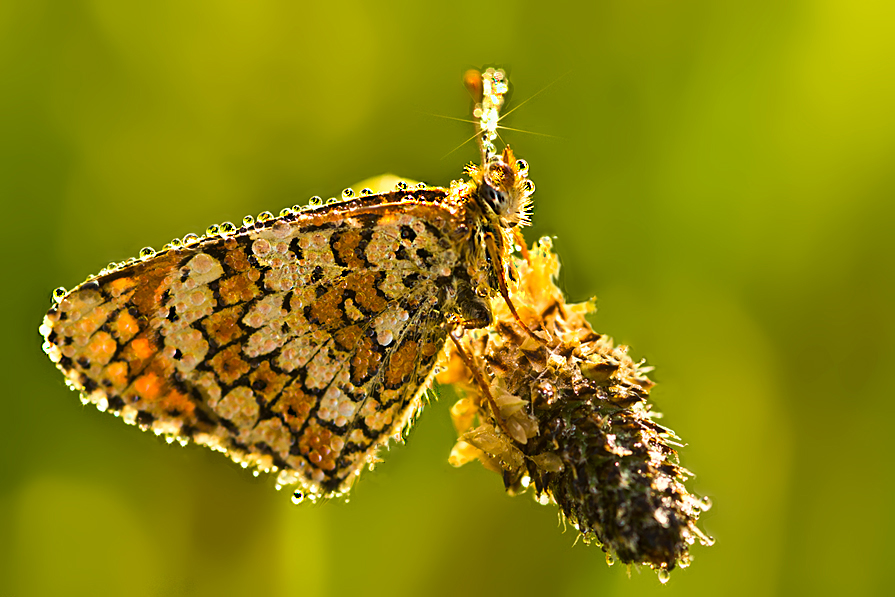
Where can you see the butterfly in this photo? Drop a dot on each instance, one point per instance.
(303, 343)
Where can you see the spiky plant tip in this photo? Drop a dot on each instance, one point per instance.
(568, 417)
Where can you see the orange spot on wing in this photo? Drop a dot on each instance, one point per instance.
(364, 287)
(121, 285)
(125, 326)
(143, 348)
(239, 288)
(101, 348)
(237, 260)
(223, 326)
(326, 309)
(228, 364)
(148, 386)
(401, 363)
(294, 405)
(365, 359)
(315, 444)
(176, 400)
(346, 246)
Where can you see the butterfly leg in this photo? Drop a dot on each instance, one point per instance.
(480, 381)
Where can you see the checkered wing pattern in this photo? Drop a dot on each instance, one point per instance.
(298, 345)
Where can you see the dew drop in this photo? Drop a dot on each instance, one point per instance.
(59, 294)
(315, 201)
(366, 191)
(228, 228)
(521, 168)
(298, 208)
(709, 541)
(264, 216)
(167, 247)
(401, 185)
(706, 503)
(147, 252)
(348, 193)
(528, 187)
(298, 497)
(248, 221)
(176, 243)
(664, 575)
(190, 240)
(213, 230)
(609, 559)
(421, 185)
(255, 473)
(286, 211)
(331, 200)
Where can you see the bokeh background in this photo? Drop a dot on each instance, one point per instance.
(719, 174)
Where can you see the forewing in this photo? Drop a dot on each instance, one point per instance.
(301, 344)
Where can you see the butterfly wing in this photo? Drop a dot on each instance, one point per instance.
(301, 344)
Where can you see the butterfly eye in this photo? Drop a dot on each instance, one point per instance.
(496, 200)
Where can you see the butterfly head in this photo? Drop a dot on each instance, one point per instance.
(504, 189)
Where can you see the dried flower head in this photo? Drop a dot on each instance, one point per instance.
(569, 416)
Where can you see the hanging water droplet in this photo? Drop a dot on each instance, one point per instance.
(348, 193)
(190, 240)
(298, 497)
(706, 503)
(609, 559)
(264, 216)
(248, 221)
(315, 201)
(528, 187)
(709, 541)
(228, 228)
(212, 230)
(147, 252)
(59, 294)
(664, 575)
(366, 191)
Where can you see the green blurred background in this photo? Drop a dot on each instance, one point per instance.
(719, 174)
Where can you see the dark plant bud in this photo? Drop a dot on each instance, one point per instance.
(569, 417)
